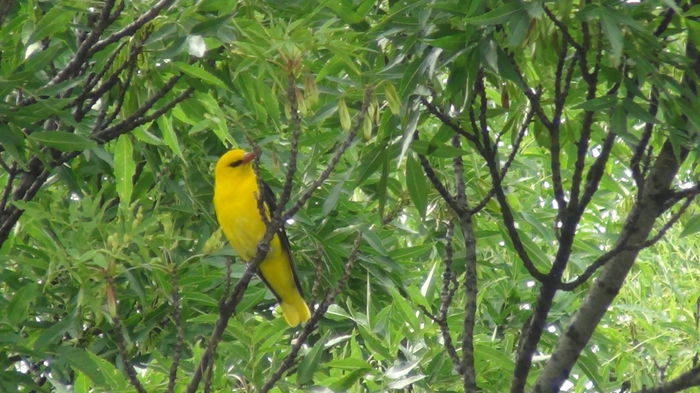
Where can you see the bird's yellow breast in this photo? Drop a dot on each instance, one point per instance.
(236, 205)
(237, 211)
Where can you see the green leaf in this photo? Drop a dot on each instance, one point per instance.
(410, 252)
(614, 34)
(332, 199)
(590, 366)
(253, 297)
(417, 185)
(124, 168)
(404, 382)
(346, 381)
(57, 19)
(693, 11)
(487, 353)
(618, 121)
(349, 364)
(392, 98)
(53, 333)
(200, 73)
(405, 310)
(81, 384)
(400, 370)
(18, 307)
(372, 343)
(63, 141)
(374, 241)
(497, 15)
(692, 226)
(598, 103)
(169, 136)
(344, 114)
(637, 111)
(81, 360)
(518, 24)
(311, 361)
(410, 79)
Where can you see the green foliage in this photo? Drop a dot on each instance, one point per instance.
(136, 208)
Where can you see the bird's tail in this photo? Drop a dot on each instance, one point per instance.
(295, 310)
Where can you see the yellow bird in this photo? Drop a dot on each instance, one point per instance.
(235, 201)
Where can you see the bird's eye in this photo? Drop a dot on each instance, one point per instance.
(236, 163)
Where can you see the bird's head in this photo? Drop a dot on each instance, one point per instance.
(234, 162)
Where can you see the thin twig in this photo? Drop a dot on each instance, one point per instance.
(582, 151)
(179, 329)
(504, 170)
(623, 246)
(84, 51)
(121, 343)
(137, 118)
(596, 171)
(447, 120)
(94, 78)
(458, 163)
(560, 94)
(470, 306)
(671, 221)
(637, 173)
(133, 26)
(11, 175)
(563, 28)
(294, 148)
(483, 107)
(684, 381)
(449, 287)
(107, 85)
(208, 379)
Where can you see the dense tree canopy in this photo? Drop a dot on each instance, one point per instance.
(481, 196)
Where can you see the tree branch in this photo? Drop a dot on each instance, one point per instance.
(179, 335)
(614, 273)
(595, 172)
(133, 26)
(120, 339)
(504, 170)
(449, 287)
(84, 51)
(641, 147)
(437, 183)
(448, 121)
(470, 287)
(685, 381)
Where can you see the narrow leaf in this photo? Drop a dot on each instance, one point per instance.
(124, 169)
(199, 73)
(63, 141)
(392, 97)
(497, 15)
(416, 184)
(169, 136)
(692, 226)
(614, 34)
(344, 113)
(310, 363)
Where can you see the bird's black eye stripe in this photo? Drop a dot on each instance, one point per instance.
(236, 163)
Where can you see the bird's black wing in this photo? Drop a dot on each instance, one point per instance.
(270, 202)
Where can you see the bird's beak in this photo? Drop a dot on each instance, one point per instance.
(248, 157)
